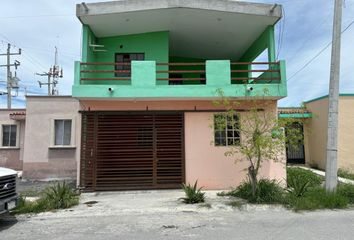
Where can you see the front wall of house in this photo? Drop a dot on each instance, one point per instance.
(12, 157)
(316, 130)
(208, 164)
(203, 161)
(43, 160)
(346, 136)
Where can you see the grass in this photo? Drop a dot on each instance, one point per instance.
(235, 204)
(345, 174)
(58, 196)
(301, 180)
(347, 190)
(307, 175)
(304, 192)
(317, 198)
(205, 205)
(268, 191)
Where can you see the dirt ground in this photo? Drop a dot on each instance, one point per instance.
(161, 215)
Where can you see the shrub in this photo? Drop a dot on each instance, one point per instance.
(60, 196)
(297, 186)
(267, 191)
(317, 198)
(193, 194)
(345, 174)
(30, 207)
(54, 197)
(302, 176)
(347, 190)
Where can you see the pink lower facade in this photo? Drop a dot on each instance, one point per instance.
(41, 159)
(204, 162)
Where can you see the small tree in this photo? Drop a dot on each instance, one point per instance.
(262, 136)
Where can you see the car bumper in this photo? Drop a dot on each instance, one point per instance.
(8, 204)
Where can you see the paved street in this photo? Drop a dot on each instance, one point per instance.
(157, 215)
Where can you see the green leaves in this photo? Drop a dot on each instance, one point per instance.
(58, 196)
(267, 191)
(193, 194)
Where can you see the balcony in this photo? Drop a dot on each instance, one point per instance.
(149, 79)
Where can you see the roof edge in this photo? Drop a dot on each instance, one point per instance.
(326, 96)
(51, 96)
(124, 6)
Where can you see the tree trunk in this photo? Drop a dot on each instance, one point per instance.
(253, 179)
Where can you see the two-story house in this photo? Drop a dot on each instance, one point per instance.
(149, 73)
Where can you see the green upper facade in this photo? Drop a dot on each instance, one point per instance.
(178, 50)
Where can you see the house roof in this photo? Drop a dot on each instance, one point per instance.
(211, 29)
(20, 115)
(294, 112)
(326, 96)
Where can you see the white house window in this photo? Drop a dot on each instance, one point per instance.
(226, 130)
(9, 135)
(62, 132)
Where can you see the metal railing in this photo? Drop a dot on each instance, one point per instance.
(241, 72)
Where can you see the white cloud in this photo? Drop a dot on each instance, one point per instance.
(308, 26)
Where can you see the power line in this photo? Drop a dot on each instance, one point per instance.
(318, 54)
(298, 50)
(281, 33)
(38, 16)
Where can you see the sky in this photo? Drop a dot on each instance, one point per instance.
(37, 26)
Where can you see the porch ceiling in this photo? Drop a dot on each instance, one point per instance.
(212, 29)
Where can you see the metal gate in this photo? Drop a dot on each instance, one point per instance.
(295, 154)
(137, 150)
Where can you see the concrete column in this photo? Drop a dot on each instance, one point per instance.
(218, 72)
(143, 73)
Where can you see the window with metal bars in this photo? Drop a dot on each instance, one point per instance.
(126, 58)
(9, 135)
(226, 130)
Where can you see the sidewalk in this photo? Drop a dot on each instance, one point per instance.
(322, 173)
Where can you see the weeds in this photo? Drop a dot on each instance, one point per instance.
(235, 204)
(345, 174)
(268, 191)
(347, 190)
(193, 194)
(317, 198)
(304, 192)
(205, 205)
(304, 175)
(58, 196)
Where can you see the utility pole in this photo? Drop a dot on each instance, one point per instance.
(53, 75)
(9, 75)
(333, 97)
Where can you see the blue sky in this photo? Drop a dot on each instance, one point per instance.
(38, 25)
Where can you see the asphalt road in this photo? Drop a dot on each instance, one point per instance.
(161, 219)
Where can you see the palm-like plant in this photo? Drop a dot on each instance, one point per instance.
(193, 193)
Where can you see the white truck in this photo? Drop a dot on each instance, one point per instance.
(8, 194)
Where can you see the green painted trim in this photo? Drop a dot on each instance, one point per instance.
(264, 41)
(326, 96)
(143, 73)
(144, 85)
(87, 35)
(295, 115)
(271, 44)
(177, 91)
(77, 69)
(283, 79)
(218, 72)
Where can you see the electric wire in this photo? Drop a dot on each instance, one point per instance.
(318, 54)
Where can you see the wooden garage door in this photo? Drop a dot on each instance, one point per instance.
(132, 151)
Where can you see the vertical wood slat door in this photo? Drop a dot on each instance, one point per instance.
(132, 151)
